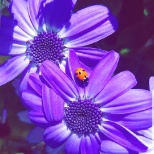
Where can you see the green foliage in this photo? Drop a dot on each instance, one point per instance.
(124, 51)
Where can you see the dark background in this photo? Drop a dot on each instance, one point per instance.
(134, 40)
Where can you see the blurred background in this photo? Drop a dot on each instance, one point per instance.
(134, 40)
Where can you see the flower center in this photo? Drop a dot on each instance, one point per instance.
(45, 46)
(83, 117)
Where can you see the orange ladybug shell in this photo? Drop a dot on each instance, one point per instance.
(81, 74)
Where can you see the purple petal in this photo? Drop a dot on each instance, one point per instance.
(31, 100)
(146, 133)
(23, 116)
(132, 101)
(20, 13)
(88, 70)
(38, 118)
(90, 56)
(88, 25)
(95, 143)
(137, 121)
(110, 147)
(16, 38)
(74, 1)
(59, 81)
(72, 145)
(34, 6)
(101, 74)
(57, 13)
(149, 151)
(35, 135)
(53, 104)
(147, 136)
(99, 137)
(148, 143)
(12, 31)
(35, 83)
(56, 135)
(16, 85)
(117, 86)
(73, 64)
(151, 83)
(89, 145)
(12, 68)
(9, 49)
(122, 136)
(25, 77)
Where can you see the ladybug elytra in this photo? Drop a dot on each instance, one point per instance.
(81, 74)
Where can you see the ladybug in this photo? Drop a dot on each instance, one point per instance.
(81, 74)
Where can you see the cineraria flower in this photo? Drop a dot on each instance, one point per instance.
(78, 119)
(45, 30)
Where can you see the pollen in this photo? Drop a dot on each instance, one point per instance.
(83, 117)
(45, 46)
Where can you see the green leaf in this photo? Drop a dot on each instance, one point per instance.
(146, 12)
(124, 51)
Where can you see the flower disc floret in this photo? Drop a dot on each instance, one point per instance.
(45, 46)
(83, 117)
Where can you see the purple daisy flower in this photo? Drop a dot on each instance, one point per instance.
(46, 30)
(78, 119)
